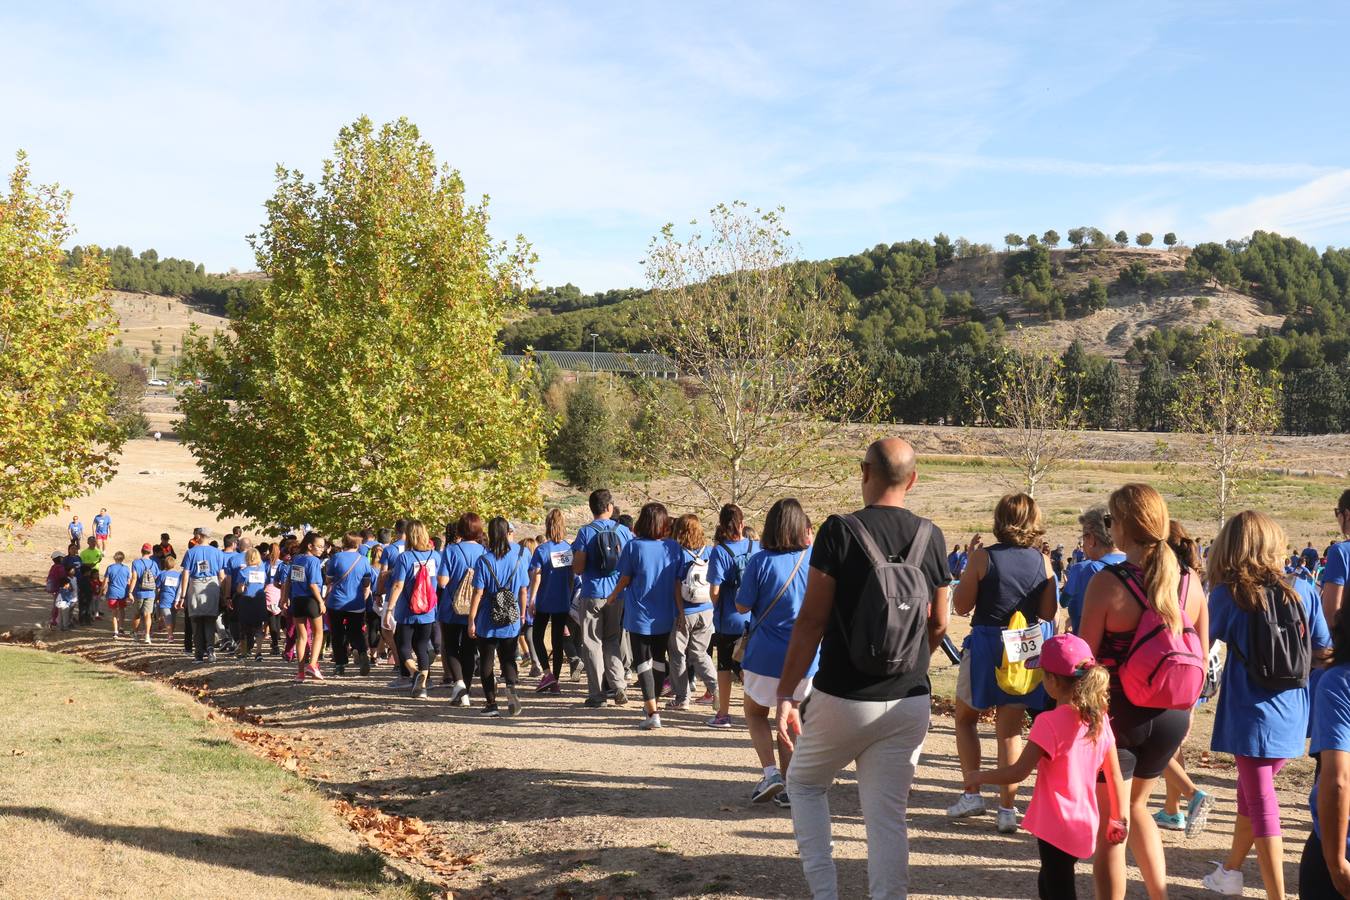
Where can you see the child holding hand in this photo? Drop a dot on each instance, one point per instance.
(1068, 746)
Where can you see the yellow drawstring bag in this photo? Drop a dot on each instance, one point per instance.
(1014, 677)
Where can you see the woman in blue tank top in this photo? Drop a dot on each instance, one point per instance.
(1008, 577)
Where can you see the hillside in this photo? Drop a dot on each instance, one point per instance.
(151, 327)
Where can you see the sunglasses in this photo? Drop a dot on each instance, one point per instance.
(1106, 521)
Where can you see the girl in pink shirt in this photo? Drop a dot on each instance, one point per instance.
(1068, 746)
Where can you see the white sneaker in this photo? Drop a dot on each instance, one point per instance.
(650, 723)
(1222, 881)
(968, 805)
(1007, 821)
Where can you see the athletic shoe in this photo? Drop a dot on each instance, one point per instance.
(419, 690)
(555, 687)
(365, 664)
(620, 697)
(708, 699)
(782, 801)
(968, 805)
(457, 690)
(313, 672)
(574, 668)
(300, 676)
(1007, 821)
(678, 704)
(491, 712)
(339, 670)
(512, 702)
(211, 657)
(769, 787)
(1222, 881)
(719, 721)
(257, 657)
(650, 723)
(463, 700)
(399, 684)
(667, 689)
(594, 702)
(535, 671)
(1197, 813)
(545, 683)
(1170, 821)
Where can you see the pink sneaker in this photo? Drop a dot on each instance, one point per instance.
(706, 700)
(313, 672)
(300, 676)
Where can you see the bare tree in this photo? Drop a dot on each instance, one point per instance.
(759, 339)
(1039, 423)
(1228, 406)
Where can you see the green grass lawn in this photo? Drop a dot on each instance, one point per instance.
(118, 787)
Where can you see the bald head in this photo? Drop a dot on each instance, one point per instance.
(891, 461)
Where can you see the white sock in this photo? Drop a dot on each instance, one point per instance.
(770, 771)
(968, 794)
(459, 685)
(1003, 808)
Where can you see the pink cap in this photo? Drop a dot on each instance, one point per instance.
(1064, 654)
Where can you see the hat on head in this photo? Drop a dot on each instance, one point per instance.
(204, 532)
(146, 548)
(1064, 654)
(56, 555)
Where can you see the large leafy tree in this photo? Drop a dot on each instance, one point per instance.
(58, 437)
(367, 382)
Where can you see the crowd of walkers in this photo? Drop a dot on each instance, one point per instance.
(1104, 652)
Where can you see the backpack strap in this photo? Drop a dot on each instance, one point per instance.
(917, 547)
(801, 555)
(1132, 585)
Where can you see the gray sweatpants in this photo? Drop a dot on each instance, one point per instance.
(602, 644)
(885, 738)
(689, 649)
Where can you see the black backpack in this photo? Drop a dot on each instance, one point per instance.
(889, 626)
(607, 549)
(1279, 643)
(505, 603)
(732, 581)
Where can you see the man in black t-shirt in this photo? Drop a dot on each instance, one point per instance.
(878, 721)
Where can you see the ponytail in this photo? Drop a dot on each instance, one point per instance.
(1162, 581)
(1090, 695)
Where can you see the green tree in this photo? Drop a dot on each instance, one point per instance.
(762, 341)
(1029, 402)
(1078, 237)
(366, 382)
(1011, 240)
(1051, 238)
(128, 379)
(942, 246)
(1094, 297)
(586, 447)
(58, 436)
(1228, 406)
(1170, 239)
(1143, 239)
(1122, 237)
(1153, 394)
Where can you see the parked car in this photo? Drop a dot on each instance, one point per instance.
(157, 382)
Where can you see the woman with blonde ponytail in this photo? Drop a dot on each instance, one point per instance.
(1146, 738)
(1262, 712)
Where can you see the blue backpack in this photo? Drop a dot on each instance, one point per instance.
(607, 550)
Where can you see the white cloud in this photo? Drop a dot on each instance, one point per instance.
(1310, 210)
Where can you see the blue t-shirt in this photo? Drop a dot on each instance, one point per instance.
(350, 571)
(102, 525)
(76, 530)
(721, 566)
(119, 579)
(405, 570)
(144, 564)
(764, 577)
(305, 571)
(203, 561)
(1250, 720)
(234, 561)
(389, 556)
(457, 561)
(593, 584)
(654, 569)
(1076, 582)
(687, 558)
(553, 561)
(250, 581)
(510, 573)
(1337, 568)
(169, 583)
(1330, 725)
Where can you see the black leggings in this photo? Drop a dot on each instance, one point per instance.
(505, 651)
(348, 628)
(722, 646)
(1314, 881)
(649, 661)
(1146, 747)
(457, 653)
(1056, 879)
(415, 640)
(203, 631)
(541, 623)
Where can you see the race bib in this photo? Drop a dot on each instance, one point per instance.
(171, 580)
(203, 569)
(561, 559)
(297, 574)
(256, 578)
(1022, 645)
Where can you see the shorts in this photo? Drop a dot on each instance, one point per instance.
(305, 607)
(1146, 748)
(763, 689)
(722, 647)
(118, 603)
(145, 608)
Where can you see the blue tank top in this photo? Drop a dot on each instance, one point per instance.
(1014, 580)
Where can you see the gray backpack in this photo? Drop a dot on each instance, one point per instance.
(889, 626)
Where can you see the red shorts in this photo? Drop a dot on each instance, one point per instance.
(117, 604)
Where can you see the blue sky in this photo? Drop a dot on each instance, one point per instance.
(591, 125)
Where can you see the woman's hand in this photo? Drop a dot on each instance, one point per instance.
(789, 722)
(473, 630)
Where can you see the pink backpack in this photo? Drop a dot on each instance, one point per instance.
(1162, 670)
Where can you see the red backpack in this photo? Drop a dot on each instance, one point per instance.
(423, 599)
(1162, 670)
